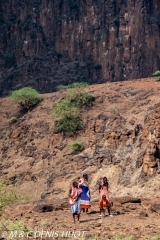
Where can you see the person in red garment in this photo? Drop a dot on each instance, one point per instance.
(104, 204)
(103, 191)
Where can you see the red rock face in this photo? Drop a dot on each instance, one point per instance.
(58, 42)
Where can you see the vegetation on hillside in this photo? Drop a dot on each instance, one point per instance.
(67, 111)
(9, 196)
(26, 98)
(68, 116)
(157, 75)
(79, 98)
(72, 85)
(13, 230)
(76, 147)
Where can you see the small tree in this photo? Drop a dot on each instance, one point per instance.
(76, 94)
(67, 111)
(26, 97)
(64, 109)
(70, 124)
(157, 74)
(80, 98)
(68, 116)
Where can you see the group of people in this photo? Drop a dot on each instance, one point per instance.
(79, 194)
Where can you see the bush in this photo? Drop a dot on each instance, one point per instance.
(76, 94)
(157, 74)
(68, 116)
(26, 97)
(76, 147)
(73, 85)
(70, 124)
(79, 98)
(67, 112)
(10, 226)
(64, 109)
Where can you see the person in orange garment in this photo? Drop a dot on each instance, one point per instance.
(104, 204)
(103, 191)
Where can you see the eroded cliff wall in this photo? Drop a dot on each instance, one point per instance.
(44, 43)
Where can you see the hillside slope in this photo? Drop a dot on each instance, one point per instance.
(122, 141)
(121, 135)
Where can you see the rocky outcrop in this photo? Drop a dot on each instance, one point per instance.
(46, 43)
(152, 134)
(155, 205)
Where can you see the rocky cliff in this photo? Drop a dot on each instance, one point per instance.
(45, 43)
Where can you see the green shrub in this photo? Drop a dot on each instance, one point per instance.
(68, 116)
(64, 109)
(76, 94)
(72, 124)
(79, 98)
(73, 85)
(67, 112)
(12, 120)
(26, 97)
(157, 74)
(76, 147)
(10, 226)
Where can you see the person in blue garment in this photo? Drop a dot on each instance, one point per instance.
(85, 195)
